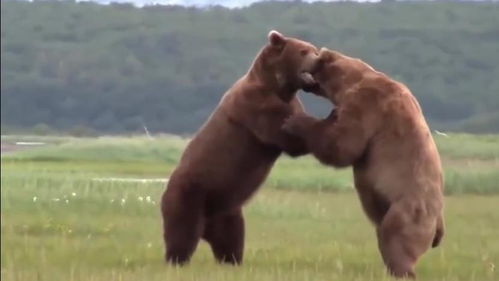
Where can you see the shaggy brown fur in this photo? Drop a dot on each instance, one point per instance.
(378, 127)
(231, 155)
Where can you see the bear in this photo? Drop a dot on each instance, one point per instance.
(234, 150)
(377, 127)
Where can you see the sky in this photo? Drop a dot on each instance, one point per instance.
(203, 3)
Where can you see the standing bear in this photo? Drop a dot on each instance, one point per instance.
(378, 127)
(232, 153)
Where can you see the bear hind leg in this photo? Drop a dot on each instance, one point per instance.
(373, 204)
(403, 236)
(225, 234)
(183, 223)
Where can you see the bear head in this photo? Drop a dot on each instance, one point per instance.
(333, 72)
(291, 60)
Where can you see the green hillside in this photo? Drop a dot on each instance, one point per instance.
(116, 68)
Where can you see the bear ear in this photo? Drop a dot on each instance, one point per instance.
(276, 38)
(326, 55)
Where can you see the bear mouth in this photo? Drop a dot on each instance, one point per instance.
(308, 81)
(307, 78)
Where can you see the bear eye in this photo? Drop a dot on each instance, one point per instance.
(303, 52)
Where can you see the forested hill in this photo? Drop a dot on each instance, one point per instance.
(116, 67)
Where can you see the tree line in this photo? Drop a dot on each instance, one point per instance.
(117, 68)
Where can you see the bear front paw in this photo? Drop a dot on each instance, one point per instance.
(297, 124)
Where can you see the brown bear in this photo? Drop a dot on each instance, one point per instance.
(378, 127)
(232, 153)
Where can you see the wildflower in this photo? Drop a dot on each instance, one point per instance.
(141, 198)
(339, 265)
(73, 194)
(56, 199)
(148, 199)
(67, 201)
(149, 245)
(35, 198)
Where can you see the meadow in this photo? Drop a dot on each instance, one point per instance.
(61, 221)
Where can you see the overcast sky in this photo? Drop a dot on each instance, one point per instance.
(203, 3)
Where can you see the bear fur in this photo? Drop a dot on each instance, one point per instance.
(232, 153)
(378, 127)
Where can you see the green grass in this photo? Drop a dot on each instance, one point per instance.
(466, 146)
(106, 149)
(59, 224)
(471, 163)
(291, 236)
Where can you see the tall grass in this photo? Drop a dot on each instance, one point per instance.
(66, 229)
(471, 163)
(58, 223)
(466, 146)
(107, 149)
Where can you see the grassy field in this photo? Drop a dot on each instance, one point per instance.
(59, 223)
